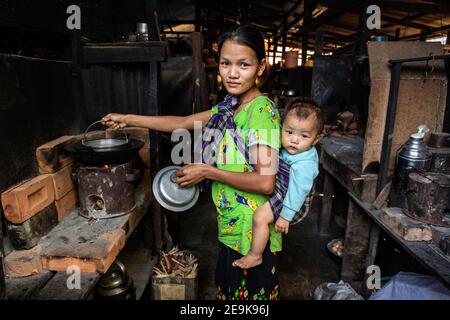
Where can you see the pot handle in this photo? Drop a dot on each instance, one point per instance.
(91, 125)
(122, 270)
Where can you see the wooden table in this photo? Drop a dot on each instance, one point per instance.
(341, 160)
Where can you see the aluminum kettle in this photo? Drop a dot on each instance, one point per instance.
(413, 156)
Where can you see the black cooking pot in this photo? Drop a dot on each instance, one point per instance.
(95, 157)
(105, 150)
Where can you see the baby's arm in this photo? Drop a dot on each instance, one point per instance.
(301, 178)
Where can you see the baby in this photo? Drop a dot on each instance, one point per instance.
(301, 130)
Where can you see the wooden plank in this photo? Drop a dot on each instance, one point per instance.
(342, 158)
(121, 54)
(327, 203)
(57, 287)
(26, 287)
(427, 254)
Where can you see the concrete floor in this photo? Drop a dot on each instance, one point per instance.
(304, 263)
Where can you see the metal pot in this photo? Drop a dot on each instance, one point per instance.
(116, 284)
(105, 144)
(104, 151)
(171, 195)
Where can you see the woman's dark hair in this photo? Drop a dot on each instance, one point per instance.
(248, 36)
(251, 37)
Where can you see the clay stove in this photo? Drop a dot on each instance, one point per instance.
(106, 191)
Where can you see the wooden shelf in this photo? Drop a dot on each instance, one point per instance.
(427, 254)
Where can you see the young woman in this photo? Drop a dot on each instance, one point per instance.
(238, 187)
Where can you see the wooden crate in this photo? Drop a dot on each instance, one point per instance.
(175, 288)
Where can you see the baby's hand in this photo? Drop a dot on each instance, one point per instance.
(282, 225)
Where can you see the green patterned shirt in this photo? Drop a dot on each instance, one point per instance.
(259, 123)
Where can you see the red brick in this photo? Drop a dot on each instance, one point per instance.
(51, 156)
(89, 257)
(65, 205)
(62, 181)
(22, 202)
(23, 263)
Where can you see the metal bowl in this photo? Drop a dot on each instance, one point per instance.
(102, 144)
(170, 195)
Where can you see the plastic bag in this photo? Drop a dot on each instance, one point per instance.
(336, 291)
(412, 286)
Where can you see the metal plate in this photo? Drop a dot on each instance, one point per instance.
(170, 195)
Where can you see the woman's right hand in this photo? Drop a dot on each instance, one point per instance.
(114, 121)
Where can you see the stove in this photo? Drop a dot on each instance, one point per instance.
(106, 191)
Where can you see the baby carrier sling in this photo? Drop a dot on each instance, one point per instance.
(222, 121)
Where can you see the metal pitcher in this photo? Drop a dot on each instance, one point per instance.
(414, 156)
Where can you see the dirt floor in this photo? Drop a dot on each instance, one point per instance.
(304, 263)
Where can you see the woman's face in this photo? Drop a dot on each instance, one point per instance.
(239, 67)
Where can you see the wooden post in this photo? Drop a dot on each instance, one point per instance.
(423, 35)
(357, 236)
(360, 46)
(305, 30)
(198, 73)
(318, 45)
(397, 34)
(2, 276)
(327, 204)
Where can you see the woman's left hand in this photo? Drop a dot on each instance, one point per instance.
(192, 174)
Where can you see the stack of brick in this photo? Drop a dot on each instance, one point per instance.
(34, 207)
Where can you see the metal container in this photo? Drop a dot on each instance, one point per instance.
(439, 146)
(171, 195)
(439, 140)
(116, 284)
(106, 191)
(428, 198)
(414, 156)
(141, 31)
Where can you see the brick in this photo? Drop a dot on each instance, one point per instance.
(62, 182)
(51, 156)
(90, 257)
(26, 235)
(22, 202)
(66, 204)
(405, 227)
(23, 263)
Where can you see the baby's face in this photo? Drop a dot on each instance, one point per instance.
(299, 135)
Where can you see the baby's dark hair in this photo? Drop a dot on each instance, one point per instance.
(303, 109)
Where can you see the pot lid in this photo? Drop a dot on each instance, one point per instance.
(169, 194)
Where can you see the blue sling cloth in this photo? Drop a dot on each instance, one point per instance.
(219, 123)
